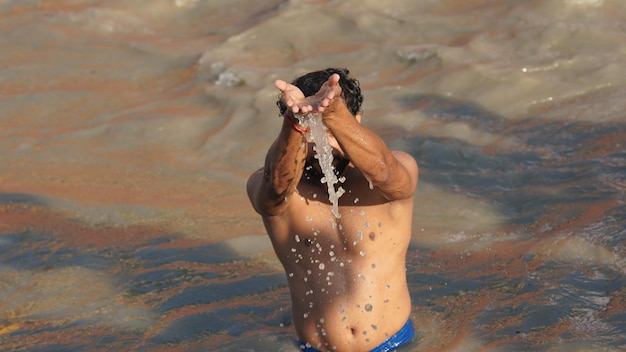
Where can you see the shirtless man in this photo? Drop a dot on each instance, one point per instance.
(347, 275)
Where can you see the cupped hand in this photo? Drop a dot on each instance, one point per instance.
(317, 103)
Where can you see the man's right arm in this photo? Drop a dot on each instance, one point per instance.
(269, 188)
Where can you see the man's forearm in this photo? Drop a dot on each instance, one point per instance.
(366, 150)
(285, 161)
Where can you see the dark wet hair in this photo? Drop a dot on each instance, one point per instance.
(310, 83)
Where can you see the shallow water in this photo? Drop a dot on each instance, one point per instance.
(128, 130)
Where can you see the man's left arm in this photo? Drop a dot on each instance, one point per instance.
(393, 173)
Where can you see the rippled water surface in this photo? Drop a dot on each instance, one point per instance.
(128, 130)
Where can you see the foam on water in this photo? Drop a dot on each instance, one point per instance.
(324, 155)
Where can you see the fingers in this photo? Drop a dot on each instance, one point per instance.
(294, 99)
(284, 88)
(320, 104)
(281, 85)
(301, 109)
(333, 79)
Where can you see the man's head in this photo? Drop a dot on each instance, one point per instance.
(310, 83)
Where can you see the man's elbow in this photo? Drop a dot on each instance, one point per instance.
(396, 182)
(267, 202)
(381, 171)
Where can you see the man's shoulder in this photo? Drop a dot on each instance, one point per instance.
(408, 162)
(254, 180)
(404, 158)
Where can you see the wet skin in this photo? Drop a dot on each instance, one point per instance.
(346, 275)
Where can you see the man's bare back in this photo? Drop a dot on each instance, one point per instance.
(346, 275)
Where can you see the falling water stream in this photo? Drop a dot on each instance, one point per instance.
(324, 155)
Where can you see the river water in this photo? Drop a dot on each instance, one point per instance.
(128, 129)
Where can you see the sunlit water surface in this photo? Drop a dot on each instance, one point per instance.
(128, 129)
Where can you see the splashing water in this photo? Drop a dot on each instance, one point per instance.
(323, 154)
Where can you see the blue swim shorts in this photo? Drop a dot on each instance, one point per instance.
(401, 338)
